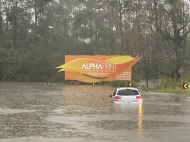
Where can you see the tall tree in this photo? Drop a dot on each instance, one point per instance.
(172, 21)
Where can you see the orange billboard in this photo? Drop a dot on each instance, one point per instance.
(93, 69)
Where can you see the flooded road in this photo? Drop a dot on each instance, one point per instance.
(37, 112)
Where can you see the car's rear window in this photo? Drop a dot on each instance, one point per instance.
(127, 92)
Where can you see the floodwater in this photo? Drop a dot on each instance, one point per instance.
(38, 112)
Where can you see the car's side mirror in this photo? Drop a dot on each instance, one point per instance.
(110, 96)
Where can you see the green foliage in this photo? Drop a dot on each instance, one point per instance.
(30, 50)
(119, 83)
(169, 85)
(68, 82)
(9, 60)
(122, 83)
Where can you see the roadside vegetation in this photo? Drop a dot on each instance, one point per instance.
(169, 85)
(123, 83)
(35, 36)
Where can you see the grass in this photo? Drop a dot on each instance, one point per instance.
(188, 92)
(175, 90)
(173, 86)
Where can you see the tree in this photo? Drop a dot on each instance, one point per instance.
(172, 21)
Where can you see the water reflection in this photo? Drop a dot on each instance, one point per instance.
(36, 110)
(140, 122)
(127, 108)
(140, 117)
(88, 96)
(134, 110)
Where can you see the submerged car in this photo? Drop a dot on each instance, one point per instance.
(126, 95)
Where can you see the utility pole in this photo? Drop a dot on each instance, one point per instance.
(62, 37)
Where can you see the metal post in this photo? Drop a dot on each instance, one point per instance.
(62, 37)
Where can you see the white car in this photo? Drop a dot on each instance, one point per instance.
(126, 95)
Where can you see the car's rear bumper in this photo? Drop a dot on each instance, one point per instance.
(125, 102)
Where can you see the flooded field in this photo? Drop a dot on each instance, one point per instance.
(38, 112)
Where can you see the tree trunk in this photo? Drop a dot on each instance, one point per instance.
(1, 20)
(178, 48)
(35, 10)
(121, 26)
(178, 64)
(15, 26)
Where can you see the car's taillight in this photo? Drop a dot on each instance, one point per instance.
(138, 97)
(117, 97)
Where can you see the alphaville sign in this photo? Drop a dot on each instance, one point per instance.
(96, 66)
(92, 69)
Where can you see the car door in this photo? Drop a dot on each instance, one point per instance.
(113, 96)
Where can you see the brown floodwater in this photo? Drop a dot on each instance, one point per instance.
(38, 112)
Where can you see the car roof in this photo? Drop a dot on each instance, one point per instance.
(121, 88)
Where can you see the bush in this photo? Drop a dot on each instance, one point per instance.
(122, 83)
(170, 85)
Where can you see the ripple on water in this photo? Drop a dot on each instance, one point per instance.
(132, 124)
(42, 139)
(10, 111)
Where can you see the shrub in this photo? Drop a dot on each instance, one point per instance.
(171, 85)
(122, 83)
